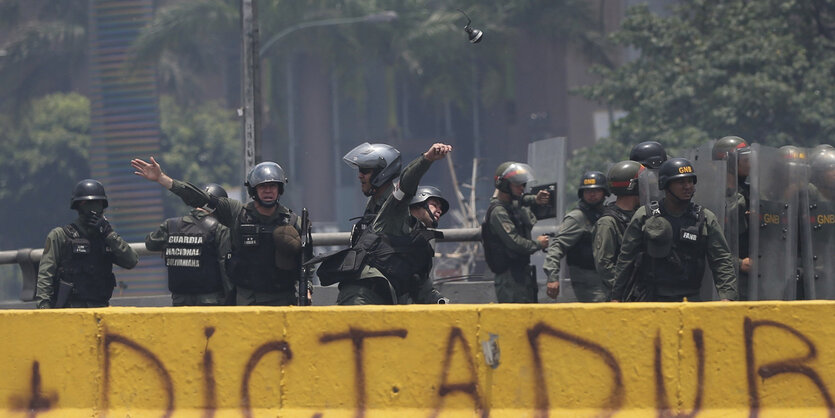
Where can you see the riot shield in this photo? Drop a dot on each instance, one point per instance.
(648, 189)
(773, 224)
(710, 193)
(547, 159)
(818, 233)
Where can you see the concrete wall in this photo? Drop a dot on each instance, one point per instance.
(769, 359)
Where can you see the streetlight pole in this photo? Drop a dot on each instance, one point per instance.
(251, 85)
(384, 16)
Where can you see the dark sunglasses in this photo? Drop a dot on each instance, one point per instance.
(366, 170)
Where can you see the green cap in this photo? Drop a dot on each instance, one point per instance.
(659, 235)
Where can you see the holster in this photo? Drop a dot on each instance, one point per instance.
(64, 291)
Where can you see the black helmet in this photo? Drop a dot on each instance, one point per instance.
(592, 180)
(727, 145)
(382, 158)
(511, 172)
(87, 190)
(675, 168)
(649, 153)
(425, 192)
(216, 190)
(822, 163)
(266, 172)
(820, 149)
(623, 178)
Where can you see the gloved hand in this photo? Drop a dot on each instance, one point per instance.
(100, 224)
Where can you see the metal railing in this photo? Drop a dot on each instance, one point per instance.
(27, 258)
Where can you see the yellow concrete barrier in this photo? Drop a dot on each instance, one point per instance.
(709, 359)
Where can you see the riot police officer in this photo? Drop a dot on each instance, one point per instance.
(194, 249)
(818, 245)
(388, 257)
(736, 152)
(265, 260)
(666, 245)
(76, 269)
(608, 231)
(651, 154)
(506, 234)
(377, 166)
(574, 241)
(426, 209)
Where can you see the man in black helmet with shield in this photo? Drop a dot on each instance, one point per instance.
(76, 269)
(194, 249)
(264, 264)
(667, 243)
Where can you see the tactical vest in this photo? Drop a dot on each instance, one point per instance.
(361, 226)
(87, 263)
(681, 272)
(581, 254)
(498, 258)
(191, 256)
(252, 265)
(403, 259)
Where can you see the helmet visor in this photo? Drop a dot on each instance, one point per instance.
(364, 156)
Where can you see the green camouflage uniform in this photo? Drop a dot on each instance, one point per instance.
(587, 284)
(719, 259)
(392, 218)
(157, 240)
(227, 212)
(55, 248)
(518, 283)
(608, 236)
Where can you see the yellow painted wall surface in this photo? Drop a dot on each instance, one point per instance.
(711, 359)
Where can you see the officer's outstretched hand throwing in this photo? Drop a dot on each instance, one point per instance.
(437, 151)
(151, 171)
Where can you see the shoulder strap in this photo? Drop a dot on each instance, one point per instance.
(699, 211)
(172, 224)
(293, 220)
(72, 231)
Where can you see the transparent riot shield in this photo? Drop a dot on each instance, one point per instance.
(648, 189)
(776, 183)
(818, 234)
(711, 187)
(547, 159)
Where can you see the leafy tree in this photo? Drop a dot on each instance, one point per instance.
(45, 46)
(42, 161)
(200, 145)
(761, 70)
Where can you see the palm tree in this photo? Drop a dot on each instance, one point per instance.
(44, 50)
